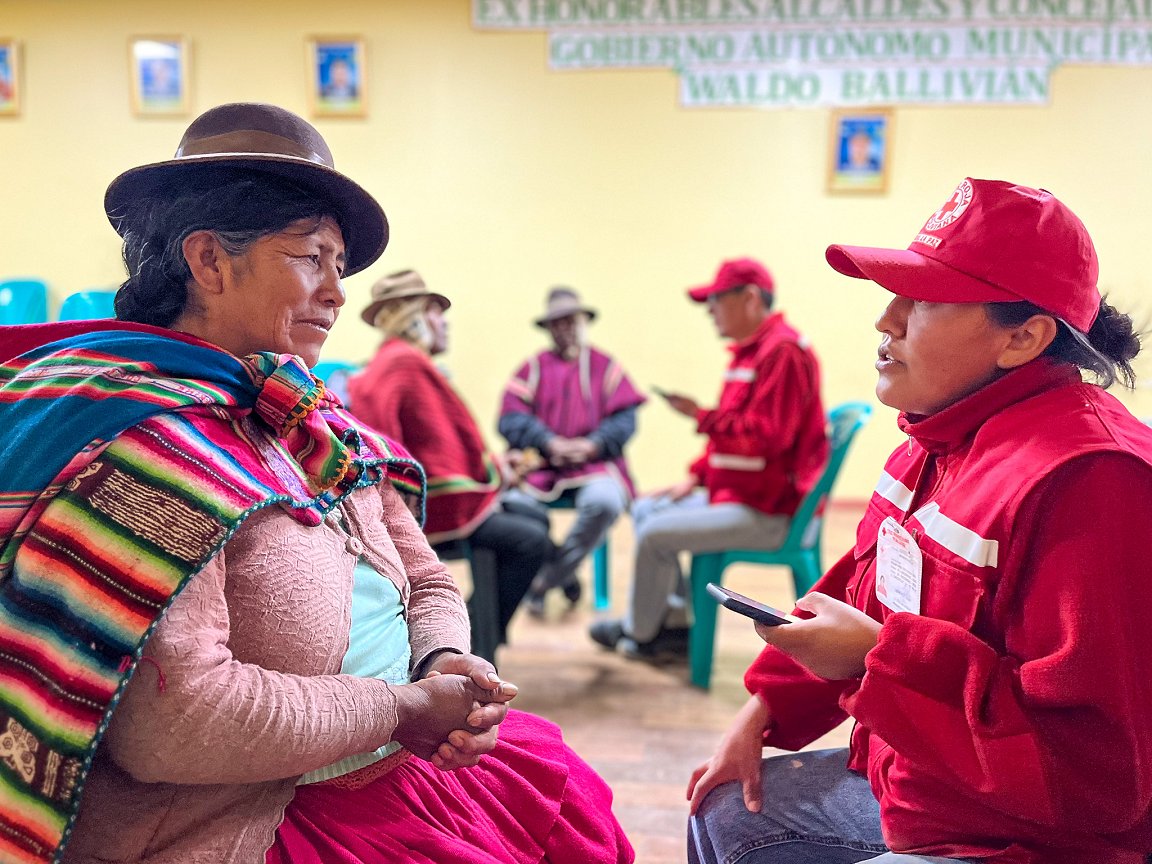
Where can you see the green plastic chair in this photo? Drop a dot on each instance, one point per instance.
(23, 301)
(800, 550)
(83, 305)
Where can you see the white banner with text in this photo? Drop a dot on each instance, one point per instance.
(789, 53)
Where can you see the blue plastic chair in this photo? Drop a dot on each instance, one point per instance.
(23, 301)
(83, 305)
(334, 374)
(567, 501)
(800, 550)
(325, 368)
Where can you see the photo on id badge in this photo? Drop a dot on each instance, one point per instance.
(899, 565)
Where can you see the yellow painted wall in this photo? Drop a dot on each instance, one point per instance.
(501, 178)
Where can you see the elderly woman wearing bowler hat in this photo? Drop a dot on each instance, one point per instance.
(225, 638)
(987, 632)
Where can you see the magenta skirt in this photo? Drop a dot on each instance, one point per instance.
(531, 800)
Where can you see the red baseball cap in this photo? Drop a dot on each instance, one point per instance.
(735, 273)
(991, 242)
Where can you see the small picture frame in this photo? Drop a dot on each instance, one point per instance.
(337, 76)
(9, 77)
(859, 153)
(158, 66)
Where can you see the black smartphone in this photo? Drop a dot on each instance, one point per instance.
(753, 609)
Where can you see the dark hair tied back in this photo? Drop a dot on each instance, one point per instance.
(155, 291)
(1106, 350)
(238, 207)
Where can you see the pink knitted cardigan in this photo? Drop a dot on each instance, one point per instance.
(239, 691)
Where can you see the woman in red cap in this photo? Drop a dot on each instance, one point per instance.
(986, 634)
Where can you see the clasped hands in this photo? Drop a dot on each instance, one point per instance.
(450, 716)
(570, 452)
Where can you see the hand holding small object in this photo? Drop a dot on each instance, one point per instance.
(518, 464)
(682, 404)
(831, 644)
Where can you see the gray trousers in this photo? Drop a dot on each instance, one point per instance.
(664, 529)
(599, 503)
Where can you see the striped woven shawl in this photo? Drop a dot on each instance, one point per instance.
(129, 456)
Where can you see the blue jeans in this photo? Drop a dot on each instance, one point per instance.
(815, 811)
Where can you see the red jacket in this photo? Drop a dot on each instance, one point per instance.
(1012, 718)
(404, 396)
(767, 442)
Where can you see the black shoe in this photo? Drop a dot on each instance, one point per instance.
(669, 644)
(607, 632)
(534, 604)
(573, 590)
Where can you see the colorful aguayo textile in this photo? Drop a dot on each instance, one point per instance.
(129, 456)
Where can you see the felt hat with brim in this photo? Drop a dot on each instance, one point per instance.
(991, 242)
(563, 302)
(402, 285)
(244, 137)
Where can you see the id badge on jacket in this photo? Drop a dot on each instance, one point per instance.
(899, 568)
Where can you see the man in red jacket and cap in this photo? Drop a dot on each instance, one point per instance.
(766, 447)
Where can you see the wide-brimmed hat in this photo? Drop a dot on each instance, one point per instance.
(990, 242)
(562, 302)
(735, 273)
(401, 285)
(252, 136)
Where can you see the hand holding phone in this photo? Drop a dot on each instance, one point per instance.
(748, 607)
(680, 404)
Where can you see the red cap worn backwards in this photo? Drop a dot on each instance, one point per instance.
(991, 242)
(734, 274)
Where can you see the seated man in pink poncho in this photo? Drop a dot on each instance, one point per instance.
(575, 406)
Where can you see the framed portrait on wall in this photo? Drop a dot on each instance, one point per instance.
(860, 150)
(337, 79)
(159, 75)
(9, 77)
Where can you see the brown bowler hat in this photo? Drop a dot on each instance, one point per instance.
(266, 139)
(562, 302)
(398, 286)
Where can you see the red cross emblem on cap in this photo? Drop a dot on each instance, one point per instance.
(953, 208)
